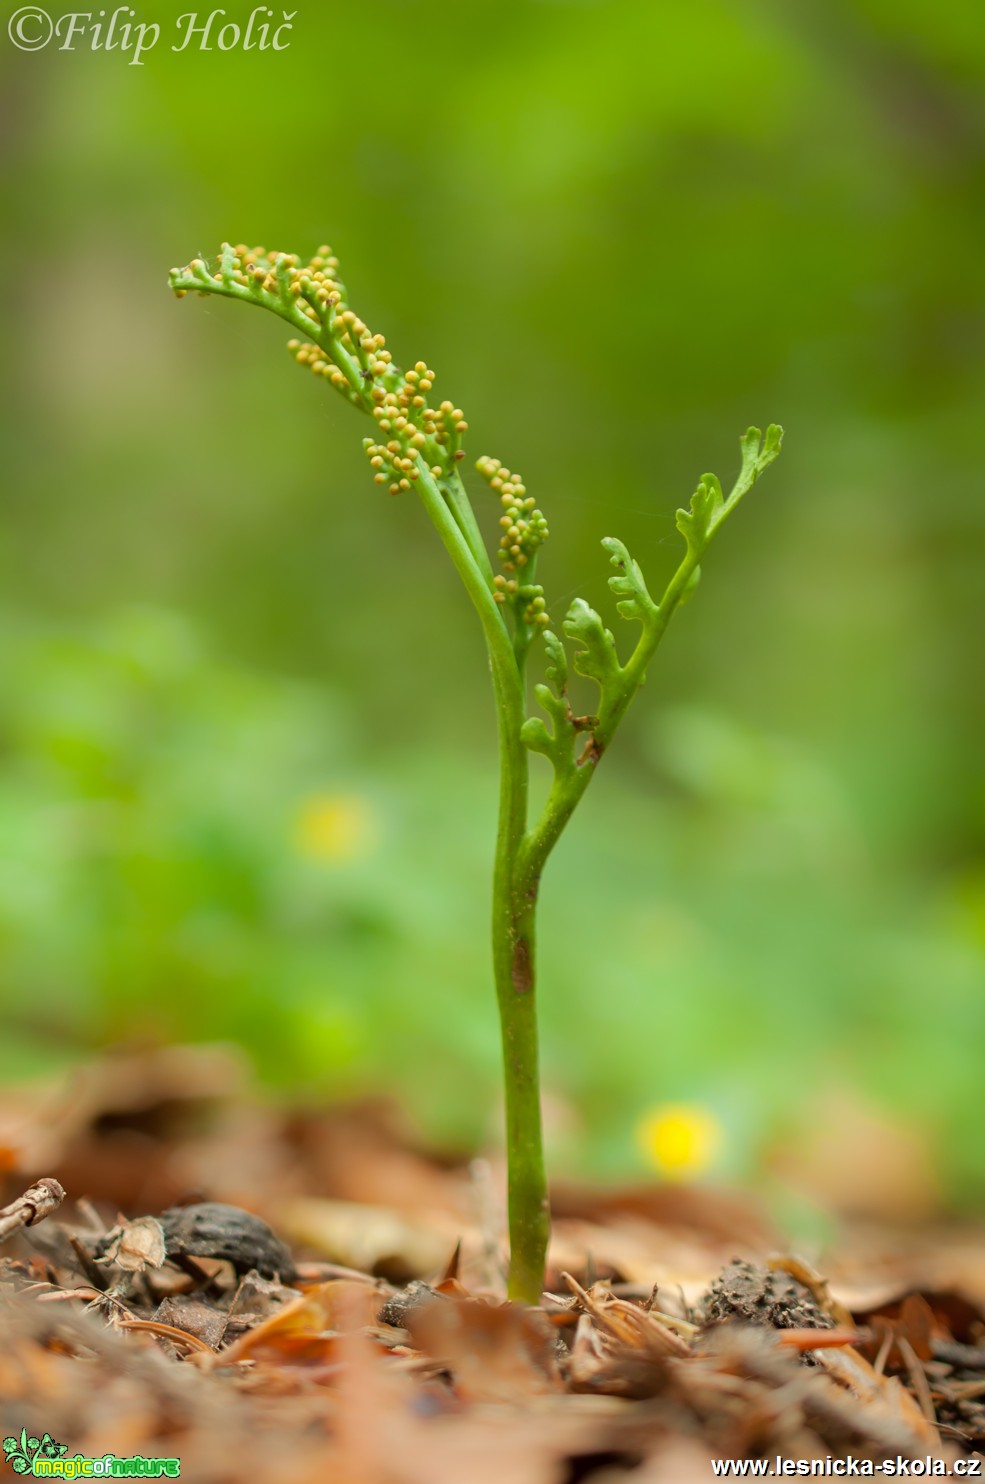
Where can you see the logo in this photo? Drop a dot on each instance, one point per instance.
(43, 1458)
(21, 1452)
(31, 29)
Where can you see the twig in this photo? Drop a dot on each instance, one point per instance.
(166, 1332)
(630, 1325)
(97, 1277)
(50, 1293)
(34, 1205)
(815, 1339)
(918, 1379)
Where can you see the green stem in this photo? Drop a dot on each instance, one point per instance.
(569, 786)
(513, 923)
(514, 949)
(461, 508)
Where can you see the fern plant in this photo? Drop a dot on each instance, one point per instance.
(417, 446)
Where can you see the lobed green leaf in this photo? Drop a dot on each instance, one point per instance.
(708, 508)
(558, 744)
(597, 659)
(629, 585)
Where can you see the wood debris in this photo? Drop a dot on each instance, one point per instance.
(375, 1345)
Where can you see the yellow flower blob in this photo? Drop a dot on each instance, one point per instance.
(680, 1140)
(334, 827)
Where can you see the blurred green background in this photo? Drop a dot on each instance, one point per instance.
(247, 770)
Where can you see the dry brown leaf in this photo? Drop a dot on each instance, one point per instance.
(363, 1152)
(886, 1393)
(706, 1214)
(495, 1352)
(853, 1156)
(135, 1246)
(301, 1333)
(194, 1317)
(371, 1238)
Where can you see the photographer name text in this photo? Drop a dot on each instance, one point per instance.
(31, 29)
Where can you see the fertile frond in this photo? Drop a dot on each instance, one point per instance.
(413, 435)
(523, 526)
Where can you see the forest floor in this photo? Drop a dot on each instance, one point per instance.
(264, 1294)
